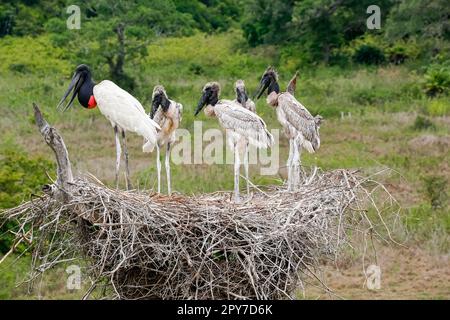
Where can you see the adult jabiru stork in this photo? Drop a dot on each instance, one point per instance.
(239, 123)
(122, 109)
(300, 127)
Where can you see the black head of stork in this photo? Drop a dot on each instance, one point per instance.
(159, 98)
(241, 93)
(269, 81)
(82, 87)
(210, 96)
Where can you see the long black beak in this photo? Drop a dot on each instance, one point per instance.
(155, 105)
(75, 83)
(262, 87)
(201, 103)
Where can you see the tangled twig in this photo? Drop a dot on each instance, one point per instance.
(152, 246)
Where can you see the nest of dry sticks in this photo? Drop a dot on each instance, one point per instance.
(198, 247)
(146, 246)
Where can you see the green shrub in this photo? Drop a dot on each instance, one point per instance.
(423, 123)
(20, 176)
(19, 68)
(196, 69)
(368, 54)
(27, 54)
(438, 107)
(339, 58)
(437, 80)
(401, 51)
(397, 55)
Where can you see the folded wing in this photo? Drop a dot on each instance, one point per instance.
(233, 116)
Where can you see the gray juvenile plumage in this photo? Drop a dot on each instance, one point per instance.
(241, 125)
(167, 114)
(300, 127)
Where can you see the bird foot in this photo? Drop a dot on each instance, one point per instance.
(237, 199)
(129, 185)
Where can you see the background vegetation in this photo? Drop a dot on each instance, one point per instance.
(383, 93)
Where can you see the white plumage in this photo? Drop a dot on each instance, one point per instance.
(123, 111)
(126, 112)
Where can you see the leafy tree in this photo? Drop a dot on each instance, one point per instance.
(419, 18)
(116, 33)
(368, 54)
(267, 21)
(317, 26)
(210, 15)
(27, 17)
(7, 14)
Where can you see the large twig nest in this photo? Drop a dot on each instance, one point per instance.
(201, 247)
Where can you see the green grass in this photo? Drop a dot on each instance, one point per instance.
(52, 285)
(383, 102)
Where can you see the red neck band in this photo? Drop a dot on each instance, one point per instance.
(92, 103)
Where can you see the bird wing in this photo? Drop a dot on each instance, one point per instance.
(249, 125)
(249, 105)
(124, 110)
(300, 118)
(110, 96)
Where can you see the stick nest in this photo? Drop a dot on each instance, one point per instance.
(145, 246)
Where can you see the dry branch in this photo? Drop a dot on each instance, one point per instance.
(149, 246)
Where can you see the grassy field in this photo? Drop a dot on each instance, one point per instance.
(375, 117)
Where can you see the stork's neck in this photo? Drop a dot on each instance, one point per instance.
(273, 87)
(241, 98)
(86, 93)
(165, 104)
(214, 99)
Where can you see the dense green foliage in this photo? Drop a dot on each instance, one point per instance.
(114, 36)
(384, 94)
(20, 177)
(20, 174)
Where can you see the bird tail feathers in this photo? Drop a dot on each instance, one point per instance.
(150, 134)
(148, 146)
(262, 139)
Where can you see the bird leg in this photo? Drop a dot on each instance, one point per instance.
(289, 164)
(296, 165)
(246, 167)
(118, 152)
(158, 167)
(127, 168)
(236, 174)
(169, 191)
(300, 171)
